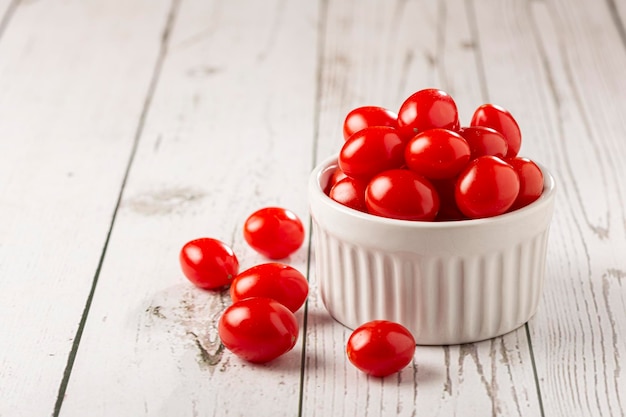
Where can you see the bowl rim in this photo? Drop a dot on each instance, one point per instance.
(316, 191)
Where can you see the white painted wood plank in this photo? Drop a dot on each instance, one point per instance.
(379, 54)
(73, 76)
(7, 8)
(568, 60)
(230, 130)
(150, 345)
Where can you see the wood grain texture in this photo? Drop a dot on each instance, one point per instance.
(71, 97)
(415, 45)
(229, 130)
(569, 55)
(129, 128)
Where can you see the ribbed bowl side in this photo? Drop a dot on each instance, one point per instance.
(442, 299)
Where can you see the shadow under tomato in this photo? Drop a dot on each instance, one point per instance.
(287, 363)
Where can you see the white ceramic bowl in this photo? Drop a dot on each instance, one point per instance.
(447, 282)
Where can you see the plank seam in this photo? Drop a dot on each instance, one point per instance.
(321, 40)
(138, 133)
(534, 365)
(480, 65)
(617, 20)
(485, 93)
(8, 15)
(304, 327)
(323, 12)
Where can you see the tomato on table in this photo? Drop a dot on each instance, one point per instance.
(208, 263)
(381, 347)
(274, 280)
(274, 232)
(258, 329)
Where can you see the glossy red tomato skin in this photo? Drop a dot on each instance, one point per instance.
(427, 109)
(274, 232)
(274, 280)
(484, 141)
(402, 194)
(437, 153)
(370, 151)
(351, 193)
(380, 348)
(448, 210)
(501, 120)
(208, 263)
(336, 176)
(258, 329)
(486, 188)
(368, 116)
(531, 181)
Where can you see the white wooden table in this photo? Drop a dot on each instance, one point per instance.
(128, 127)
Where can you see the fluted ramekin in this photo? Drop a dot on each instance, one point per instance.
(447, 282)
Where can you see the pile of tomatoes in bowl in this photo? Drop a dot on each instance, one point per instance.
(419, 164)
(422, 164)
